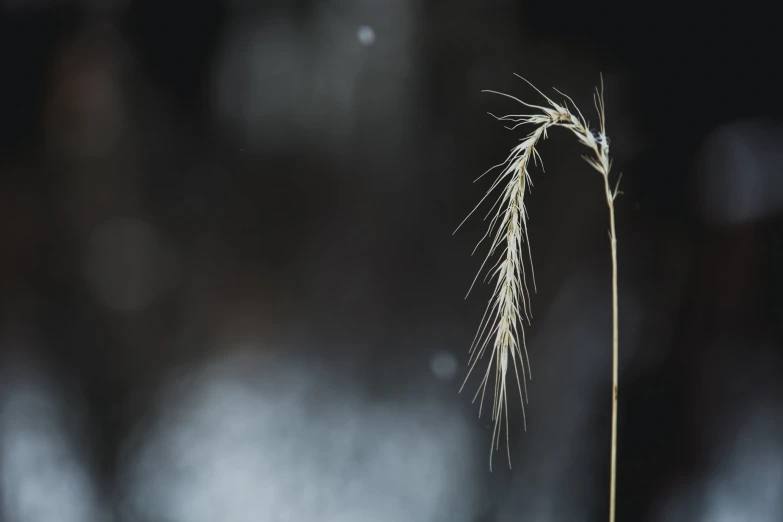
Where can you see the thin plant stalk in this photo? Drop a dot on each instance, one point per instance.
(501, 331)
(610, 196)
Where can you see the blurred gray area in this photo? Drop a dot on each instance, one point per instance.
(739, 172)
(230, 289)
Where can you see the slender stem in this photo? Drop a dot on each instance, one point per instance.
(615, 352)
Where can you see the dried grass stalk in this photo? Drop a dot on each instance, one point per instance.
(501, 331)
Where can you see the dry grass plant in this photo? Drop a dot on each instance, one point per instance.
(502, 329)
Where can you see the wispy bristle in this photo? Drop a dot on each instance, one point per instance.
(501, 330)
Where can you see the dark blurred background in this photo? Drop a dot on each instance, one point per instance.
(229, 289)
